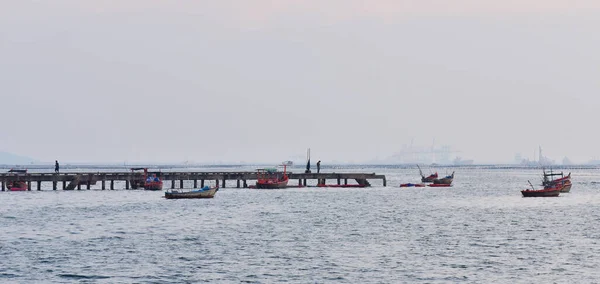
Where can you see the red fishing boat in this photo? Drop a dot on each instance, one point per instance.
(271, 178)
(563, 181)
(429, 178)
(148, 181)
(545, 192)
(17, 185)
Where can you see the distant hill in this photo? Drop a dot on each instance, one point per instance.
(12, 159)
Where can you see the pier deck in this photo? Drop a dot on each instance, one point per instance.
(87, 179)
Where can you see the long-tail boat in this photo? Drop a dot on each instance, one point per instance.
(17, 185)
(148, 181)
(205, 192)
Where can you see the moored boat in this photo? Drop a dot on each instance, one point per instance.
(148, 180)
(16, 186)
(444, 180)
(545, 192)
(563, 181)
(205, 192)
(429, 178)
(271, 178)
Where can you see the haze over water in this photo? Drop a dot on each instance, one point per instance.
(479, 231)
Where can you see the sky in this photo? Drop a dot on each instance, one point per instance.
(262, 81)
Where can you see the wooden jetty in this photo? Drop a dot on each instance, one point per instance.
(71, 181)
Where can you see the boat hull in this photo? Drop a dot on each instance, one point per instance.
(439, 185)
(566, 188)
(550, 192)
(412, 185)
(155, 185)
(192, 194)
(271, 184)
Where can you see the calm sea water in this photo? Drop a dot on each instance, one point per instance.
(480, 231)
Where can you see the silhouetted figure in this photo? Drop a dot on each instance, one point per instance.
(56, 166)
(318, 166)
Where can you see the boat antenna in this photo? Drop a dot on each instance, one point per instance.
(531, 185)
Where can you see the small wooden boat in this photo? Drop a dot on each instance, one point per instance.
(444, 180)
(271, 179)
(429, 178)
(439, 185)
(16, 186)
(412, 185)
(206, 192)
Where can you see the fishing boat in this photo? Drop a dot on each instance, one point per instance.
(271, 179)
(444, 180)
(545, 192)
(148, 181)
(17, 185)
(429, 178)
(564, 181)
(412, 185)
(205, 192)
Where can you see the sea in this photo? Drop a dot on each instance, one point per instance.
(481, 230)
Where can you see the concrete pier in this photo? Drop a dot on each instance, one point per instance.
(76, 180)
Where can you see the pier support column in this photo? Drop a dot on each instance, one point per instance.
(64, 184)
(88, 185)
(384, 182)
(223, 182)
(195, 183)
(299, 182)
(103, 184)
(245, 184)
(29, 185)
(39, 185)
(345, 181)
(304, 182)
(180, 183)
(54, 185)
(126, 184)
(3, 186)
(339, 181)
(217, 182)
(172, 184)
(202, 183)
(78, 186)
(238, 183)
(112, 184)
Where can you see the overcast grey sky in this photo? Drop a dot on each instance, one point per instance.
(261, 81)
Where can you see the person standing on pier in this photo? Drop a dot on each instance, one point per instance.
(56, 166)
(318, 166)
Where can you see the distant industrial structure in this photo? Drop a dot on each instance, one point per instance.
(541, 159)
(417, 154)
